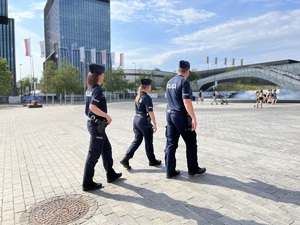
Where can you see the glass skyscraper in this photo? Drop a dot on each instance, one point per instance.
(7, 41)
(73, 24)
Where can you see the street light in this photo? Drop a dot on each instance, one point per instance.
(134, 77)
(21, 79)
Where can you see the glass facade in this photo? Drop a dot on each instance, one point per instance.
(71, 24)
(7, 41)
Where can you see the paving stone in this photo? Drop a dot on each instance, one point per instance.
(252, 160)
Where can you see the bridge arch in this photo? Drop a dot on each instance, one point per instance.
(286, 76)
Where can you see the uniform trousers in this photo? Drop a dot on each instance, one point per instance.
(177, 125)
(142, 128)
(99, 145)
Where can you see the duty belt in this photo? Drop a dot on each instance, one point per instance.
(141, 114)
(176, 112)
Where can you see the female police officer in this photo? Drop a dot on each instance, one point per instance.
(96, 110)
(142, 126)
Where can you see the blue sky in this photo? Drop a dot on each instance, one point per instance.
(159, 33)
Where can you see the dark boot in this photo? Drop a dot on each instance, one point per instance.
(125, 163)
(155, 163)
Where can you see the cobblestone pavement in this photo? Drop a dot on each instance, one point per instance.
(251, 156)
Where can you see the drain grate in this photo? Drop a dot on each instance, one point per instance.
(60, 210)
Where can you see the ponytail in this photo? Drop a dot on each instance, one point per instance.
(139, 94)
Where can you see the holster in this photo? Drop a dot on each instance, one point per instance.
(149, 121)
(101, 125)
(100, 122)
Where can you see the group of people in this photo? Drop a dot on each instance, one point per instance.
(270, 97)
(180, 116)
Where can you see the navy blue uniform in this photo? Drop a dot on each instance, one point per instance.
(99, 143)
(142, 127)
(178, 88)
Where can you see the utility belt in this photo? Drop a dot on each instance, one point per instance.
(171, 111)
(142, 114)
(146, 115)
(101, 123)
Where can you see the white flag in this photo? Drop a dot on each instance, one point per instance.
(42, 46)
(112, 58)
(93, 55)
(82, 54)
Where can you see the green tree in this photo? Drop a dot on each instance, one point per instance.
(67, 80)
(6, 78)
(164, 84)
(194, 75)
(26, 82)
(46, 82)
(116, 81)
(143, 76)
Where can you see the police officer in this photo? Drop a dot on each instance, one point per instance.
(142, 126)
(96, 110)
(181, 121)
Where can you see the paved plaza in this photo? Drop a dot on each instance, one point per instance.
(252, 158)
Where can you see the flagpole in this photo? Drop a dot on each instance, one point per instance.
(32, 72)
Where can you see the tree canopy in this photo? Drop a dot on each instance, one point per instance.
(6, 78)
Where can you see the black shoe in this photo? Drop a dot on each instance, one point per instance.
(93, 186)
(198, 171)
(114, 177)
(125, 163)
(155, 163)
(175, 173)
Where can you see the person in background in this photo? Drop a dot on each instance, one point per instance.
(260, 98)
(200, 98)
(98, 119)
(215, 95)
(181, 121)
(144, 125)
(274, 97)
(256, 99)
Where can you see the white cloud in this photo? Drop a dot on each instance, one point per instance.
(38, 6)
(156, 11)
(273, 25)
(122, 12)
(19, 16)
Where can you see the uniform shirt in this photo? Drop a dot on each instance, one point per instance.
(145, 104)
(178, 88)
(96, 97)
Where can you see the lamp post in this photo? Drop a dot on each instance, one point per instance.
(21, 79)
(134, 77)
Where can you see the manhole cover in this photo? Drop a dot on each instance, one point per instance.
(60, 210)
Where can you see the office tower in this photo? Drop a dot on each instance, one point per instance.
(73, 24)
(7, 41)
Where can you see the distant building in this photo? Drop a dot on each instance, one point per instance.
(7, 41)
(156, 75)
(72, 24)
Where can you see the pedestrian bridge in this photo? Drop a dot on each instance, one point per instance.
(286, 76)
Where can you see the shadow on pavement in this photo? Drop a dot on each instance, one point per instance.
(161, 201)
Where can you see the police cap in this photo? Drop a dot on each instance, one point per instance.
(94, 68)
(184, 64)
(146, 81)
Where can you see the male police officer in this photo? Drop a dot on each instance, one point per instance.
(181, 121)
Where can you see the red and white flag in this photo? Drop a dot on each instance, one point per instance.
(121, 59)
(27, 47)
(103, 54)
